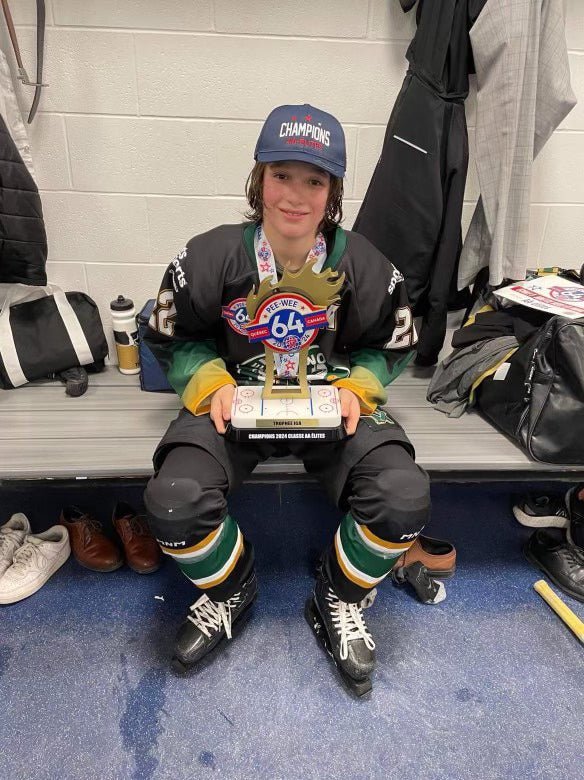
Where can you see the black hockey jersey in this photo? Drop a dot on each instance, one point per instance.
(197, 332)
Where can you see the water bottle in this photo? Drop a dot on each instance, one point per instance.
(125, 334)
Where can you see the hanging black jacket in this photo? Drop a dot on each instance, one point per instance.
(412, 209)
(23, 241)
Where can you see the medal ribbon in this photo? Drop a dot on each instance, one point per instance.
(286, 363)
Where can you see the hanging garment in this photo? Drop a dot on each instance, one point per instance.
(523, 93)
(412, 208)
(23, 240)
(10, 112)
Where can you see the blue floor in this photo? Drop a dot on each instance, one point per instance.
(488, 684)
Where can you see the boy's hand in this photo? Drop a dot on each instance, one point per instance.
(350, 410)
(221, 401)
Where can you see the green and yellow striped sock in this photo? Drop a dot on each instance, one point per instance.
(364, 558)
(211, 561)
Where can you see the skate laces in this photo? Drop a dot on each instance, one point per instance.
(349, 623)
(210, 615)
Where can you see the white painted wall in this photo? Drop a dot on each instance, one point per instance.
(145, 135)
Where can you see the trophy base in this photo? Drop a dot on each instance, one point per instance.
(317, 418)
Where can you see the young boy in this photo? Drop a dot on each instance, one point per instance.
(196, 332)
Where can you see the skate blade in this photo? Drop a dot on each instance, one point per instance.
(314, 620)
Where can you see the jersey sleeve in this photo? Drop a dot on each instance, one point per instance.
(382, 334)
(182, 328)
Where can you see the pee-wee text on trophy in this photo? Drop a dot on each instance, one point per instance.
(286, 316)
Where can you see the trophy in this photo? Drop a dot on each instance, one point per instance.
(286, 316)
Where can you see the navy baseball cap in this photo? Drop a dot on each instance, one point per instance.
(306, 134)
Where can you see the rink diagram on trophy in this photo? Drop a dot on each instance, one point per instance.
(321, 409)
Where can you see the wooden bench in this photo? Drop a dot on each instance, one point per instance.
(112, 430)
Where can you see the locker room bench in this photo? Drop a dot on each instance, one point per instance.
(112, 430)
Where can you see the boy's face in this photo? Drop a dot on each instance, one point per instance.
(295, 196)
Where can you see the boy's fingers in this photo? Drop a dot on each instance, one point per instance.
(226, 403)
(352, 421)
(216, 415)
(353, 418)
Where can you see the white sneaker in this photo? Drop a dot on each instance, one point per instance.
(12, 535)
(34, 562)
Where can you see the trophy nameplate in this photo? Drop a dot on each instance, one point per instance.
(286, 316)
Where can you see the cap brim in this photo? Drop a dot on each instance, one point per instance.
(307, 157)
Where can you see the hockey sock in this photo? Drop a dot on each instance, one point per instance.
(209, 562)
(364, 558)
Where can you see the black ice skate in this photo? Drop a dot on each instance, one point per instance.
(341, 629)
(209, 622)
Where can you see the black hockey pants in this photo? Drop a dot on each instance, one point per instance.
(386, 499)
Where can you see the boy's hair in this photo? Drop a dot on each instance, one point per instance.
(333, 213)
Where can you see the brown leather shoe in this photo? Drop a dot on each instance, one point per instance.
(438, 556)
(142, 550)
(89, 545)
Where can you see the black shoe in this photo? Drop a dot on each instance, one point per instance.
(575, 507)
(209, 622)
(341, 628)
(562, 562)
(537, 511)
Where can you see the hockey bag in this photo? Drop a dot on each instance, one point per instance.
(49, 334)
(537, 396)
(152, 378)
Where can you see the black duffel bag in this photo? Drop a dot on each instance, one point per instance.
(539, 401)
(49, 334)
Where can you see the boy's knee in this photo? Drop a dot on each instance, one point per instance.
(405, 491)
(170, 498)
(181, 509)
(399, 504)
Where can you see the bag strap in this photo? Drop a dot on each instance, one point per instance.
(74, 329)
(8, 347)
(70, 321)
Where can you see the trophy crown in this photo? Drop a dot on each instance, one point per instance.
(322, 288)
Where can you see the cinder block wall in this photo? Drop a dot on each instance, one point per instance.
(145, 135)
